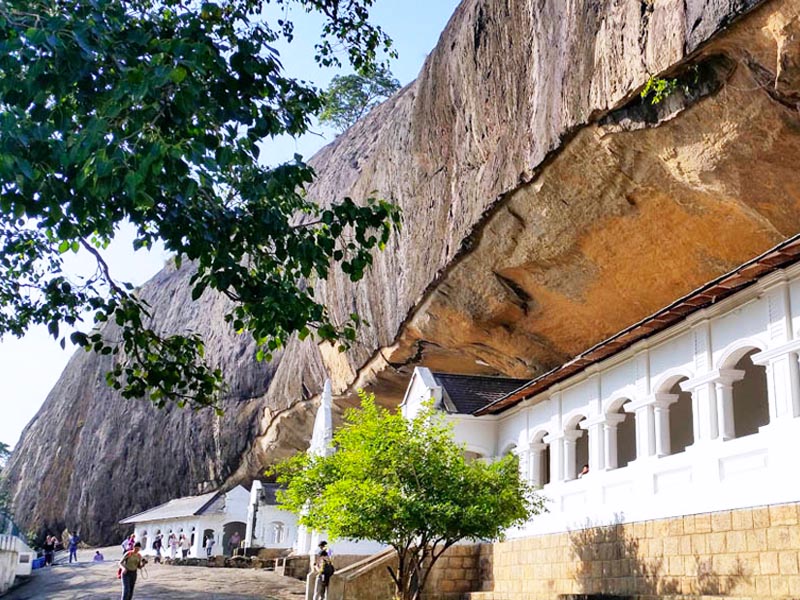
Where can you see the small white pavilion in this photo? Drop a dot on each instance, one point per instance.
(268, 526)
(221, 514)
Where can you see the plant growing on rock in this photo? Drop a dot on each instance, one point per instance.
(350, 97)
(658, 89)
(152, 113)
(404, 483)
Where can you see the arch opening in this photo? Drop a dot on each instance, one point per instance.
(681, 419)
(750, 397)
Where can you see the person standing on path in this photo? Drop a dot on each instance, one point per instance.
(157, 543)
(186, 545)
(74, 540)
(49, 548)
(234, 542)
(130, 565)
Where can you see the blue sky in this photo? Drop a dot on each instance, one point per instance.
(30, 367)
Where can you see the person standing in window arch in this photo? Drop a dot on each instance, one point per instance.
(584, 471)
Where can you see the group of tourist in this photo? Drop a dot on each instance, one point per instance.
(52, 543)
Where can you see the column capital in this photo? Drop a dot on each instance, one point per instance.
(573, 434)
(723, 376)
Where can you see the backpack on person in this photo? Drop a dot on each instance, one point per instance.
(327, 568)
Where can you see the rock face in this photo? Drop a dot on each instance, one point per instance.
(546, 207)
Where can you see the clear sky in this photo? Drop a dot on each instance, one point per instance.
(30, 367)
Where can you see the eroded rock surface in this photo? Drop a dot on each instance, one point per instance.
(546, 207)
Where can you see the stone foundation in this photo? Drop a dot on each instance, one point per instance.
(748, 553)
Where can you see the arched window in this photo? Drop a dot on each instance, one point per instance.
(576, 447)
(620, 435)
(750, 400)
(681, 419)
(277, 532)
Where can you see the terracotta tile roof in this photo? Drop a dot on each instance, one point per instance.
(783, 255)
(468, 393)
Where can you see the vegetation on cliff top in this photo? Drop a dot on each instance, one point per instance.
(153, 112)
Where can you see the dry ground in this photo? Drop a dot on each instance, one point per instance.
(97, 581)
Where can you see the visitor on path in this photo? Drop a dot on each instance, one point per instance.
(186, 545)
(130, 565)
(173, 545)
(98, 557)
(323, 547)
(209, 545)
(128, 543)
(323, 566)
(74, 540)
(157, 543)
(49, 548)
(234, 542)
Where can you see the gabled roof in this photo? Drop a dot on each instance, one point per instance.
(464, 394)
(180, 507)
(783, 255)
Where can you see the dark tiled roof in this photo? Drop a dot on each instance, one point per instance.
(468, 393)
(781, 256)
(267, 495)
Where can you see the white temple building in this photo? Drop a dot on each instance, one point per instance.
(267, 525)
(694, 409)
(221, 514)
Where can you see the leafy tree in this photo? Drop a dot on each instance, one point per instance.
(152, 112)
(350, 97)
(404, 483)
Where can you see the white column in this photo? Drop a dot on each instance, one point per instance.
(645, 434)
(610, 439)
(537, 464)
(570, 439)
(661, 404)
(556, 457)
(712, 403)
(524, 464)
(724, 391)
(783, 379)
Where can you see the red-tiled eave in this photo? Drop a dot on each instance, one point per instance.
(782, 255)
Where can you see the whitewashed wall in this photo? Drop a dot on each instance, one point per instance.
(716, 472)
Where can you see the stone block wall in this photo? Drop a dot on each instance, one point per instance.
(748, 553)
(454, 574)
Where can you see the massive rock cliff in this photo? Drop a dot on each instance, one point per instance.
(546, 206)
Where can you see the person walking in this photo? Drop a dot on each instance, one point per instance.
(130, 565)
(128, 543)
(172, 541)
(323, 566)
(209, 544)
(186, 545)
(74, 540)
(157, 543)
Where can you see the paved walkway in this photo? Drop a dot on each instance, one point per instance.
(97, 581)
